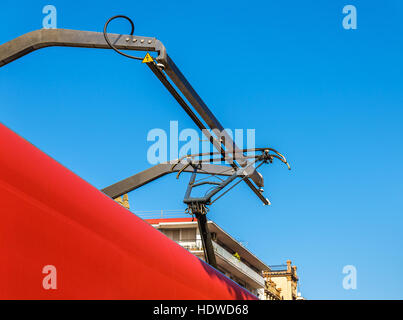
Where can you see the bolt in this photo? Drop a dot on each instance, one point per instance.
(134, 39)
(149, 41)
(142, 40)
(127, 39)
(162, 67)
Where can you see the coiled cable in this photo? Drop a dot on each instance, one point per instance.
(131, 33)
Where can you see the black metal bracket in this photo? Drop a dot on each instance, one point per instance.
(198, 206)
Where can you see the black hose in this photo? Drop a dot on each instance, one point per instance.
(109, 42)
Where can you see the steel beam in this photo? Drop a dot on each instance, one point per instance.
(43, 38)
(162, 169)
(207, 242)
(205, 113)
(217, 144)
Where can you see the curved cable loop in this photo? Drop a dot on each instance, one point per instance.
(265, 154)
(131, 33)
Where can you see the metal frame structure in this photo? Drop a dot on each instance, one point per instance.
(198, 206)
(176, 83)
(163, 67)
(140, 179)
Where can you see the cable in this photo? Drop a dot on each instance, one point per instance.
(109, 42)
(265, 152)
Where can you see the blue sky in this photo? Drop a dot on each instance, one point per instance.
(330, 99)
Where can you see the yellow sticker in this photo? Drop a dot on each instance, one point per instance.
(147, 58)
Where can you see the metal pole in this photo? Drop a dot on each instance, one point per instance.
(205, 234)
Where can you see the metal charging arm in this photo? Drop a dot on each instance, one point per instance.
(162, 169)
(42, 38)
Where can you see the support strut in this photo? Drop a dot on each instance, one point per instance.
(205, 235)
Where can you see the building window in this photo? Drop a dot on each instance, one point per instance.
(188, 234)
(172, 234)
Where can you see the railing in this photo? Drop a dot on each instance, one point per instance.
(191, 246)
(159, 214)
(278, 267)
(238, 264)
(194, 244)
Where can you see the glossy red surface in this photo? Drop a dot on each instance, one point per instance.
(50, 216)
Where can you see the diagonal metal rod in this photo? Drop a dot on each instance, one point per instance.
(161, 76)
(140, 179)
(207, 242)
(199, 210)
(205, 113)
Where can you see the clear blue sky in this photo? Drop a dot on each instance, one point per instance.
(330, 99)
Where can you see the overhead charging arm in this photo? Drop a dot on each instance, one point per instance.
(173, 80)
(140, 179)
(34, 40)
(162, 67)
(187, 90)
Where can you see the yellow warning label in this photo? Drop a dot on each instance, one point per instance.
(147, 58)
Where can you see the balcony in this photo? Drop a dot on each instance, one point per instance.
(227, 261)
(237, 267)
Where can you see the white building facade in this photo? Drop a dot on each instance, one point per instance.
(233, 259)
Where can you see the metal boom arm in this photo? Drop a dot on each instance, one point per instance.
(34, 40)
(162, 169)
(38, 39)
